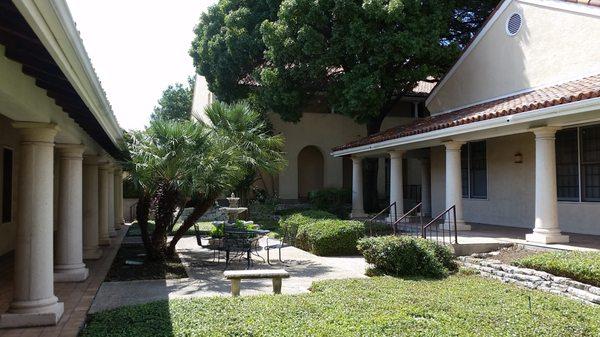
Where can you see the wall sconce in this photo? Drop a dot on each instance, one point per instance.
(518, 158)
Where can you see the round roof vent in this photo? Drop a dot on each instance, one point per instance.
(514, 23)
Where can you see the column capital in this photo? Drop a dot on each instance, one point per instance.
(453, 145)
(70, 150)
(397, 153)
(545, 132)
(356, 159)
(91, 159)
(36, 132)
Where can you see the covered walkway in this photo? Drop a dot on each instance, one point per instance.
(77, 297)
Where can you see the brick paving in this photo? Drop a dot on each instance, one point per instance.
(77, 296)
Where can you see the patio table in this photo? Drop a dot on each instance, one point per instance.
(243, 242)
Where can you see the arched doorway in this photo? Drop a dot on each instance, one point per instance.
(310, 171)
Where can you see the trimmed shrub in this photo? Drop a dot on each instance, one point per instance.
(407, 256)
(332, 200)
(330, 237)
(291, 223)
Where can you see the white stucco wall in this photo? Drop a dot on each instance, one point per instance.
(324, 131)
(511, 190)
(553, 45)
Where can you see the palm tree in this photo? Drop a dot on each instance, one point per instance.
(240, 142)
(163, 160)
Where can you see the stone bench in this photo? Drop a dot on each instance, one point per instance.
(237, 275)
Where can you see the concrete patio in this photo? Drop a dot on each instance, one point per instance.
(206, 277)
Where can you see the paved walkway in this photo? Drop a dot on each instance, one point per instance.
(206, 278)
(77, 296)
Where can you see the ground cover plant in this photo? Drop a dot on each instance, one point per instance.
(580, 266)
(168, 268)
(461, 305)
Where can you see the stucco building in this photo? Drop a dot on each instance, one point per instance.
(60, 185)
(308, 143)
(514, 133)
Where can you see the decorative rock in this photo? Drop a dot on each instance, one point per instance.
(533, 279)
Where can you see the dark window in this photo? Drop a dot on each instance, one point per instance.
(464, 170)
(473, 170)
(590, 163)
(7, 176)
(478, 170)
(567, 165)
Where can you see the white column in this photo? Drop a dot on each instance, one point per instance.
(33, 301)
(425, 186)
(453, 182)
(90, 208)
(69, 266)
(111, 201)
(118, 198)
(103, 237)
(357, 189)
(547, 229)
(396, 183)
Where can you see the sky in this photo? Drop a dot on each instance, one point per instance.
(138, 48)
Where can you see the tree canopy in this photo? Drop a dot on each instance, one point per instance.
(361, 55)
(175, 102)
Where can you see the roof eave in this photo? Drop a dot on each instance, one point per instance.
(54, 25)
(448, 133)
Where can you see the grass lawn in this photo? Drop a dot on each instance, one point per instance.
(580, 266)
(461, 305)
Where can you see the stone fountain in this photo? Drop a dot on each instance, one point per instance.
(233, 210)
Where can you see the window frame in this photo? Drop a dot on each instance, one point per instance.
(580, 178)
(469, 176)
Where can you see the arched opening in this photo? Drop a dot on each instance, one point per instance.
(310, 171)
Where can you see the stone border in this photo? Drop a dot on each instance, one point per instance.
(533, 279)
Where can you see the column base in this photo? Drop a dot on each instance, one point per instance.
(104, 242)
(358, 214)
(70, 273)
(93, 253)
(461, 225)
(32, 313)
(545, 236)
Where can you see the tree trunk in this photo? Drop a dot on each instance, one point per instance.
(200, 205)
(181, 209)
(142, 211)
(166, 201)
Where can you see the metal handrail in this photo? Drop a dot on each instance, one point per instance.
(407, 214)
(451, 208)
(372, 220)
(383, 210)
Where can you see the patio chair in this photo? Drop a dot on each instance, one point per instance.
(287, 239)
(239, 243)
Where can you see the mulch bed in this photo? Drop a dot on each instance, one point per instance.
(149, 270)
(510, 254)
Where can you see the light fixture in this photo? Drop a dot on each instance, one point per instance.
(518, 158)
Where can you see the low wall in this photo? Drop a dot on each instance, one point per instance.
(533, 279)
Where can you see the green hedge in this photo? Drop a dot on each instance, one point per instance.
(332, 200)
(292, 222)
(580, 266)
(331, 237)
(407, 256)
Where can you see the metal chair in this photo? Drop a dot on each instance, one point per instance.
(287, 239)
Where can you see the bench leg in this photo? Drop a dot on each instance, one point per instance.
(235, 287)
(277, 285)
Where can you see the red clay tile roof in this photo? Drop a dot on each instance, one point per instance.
(586, 2)
(573, 91)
